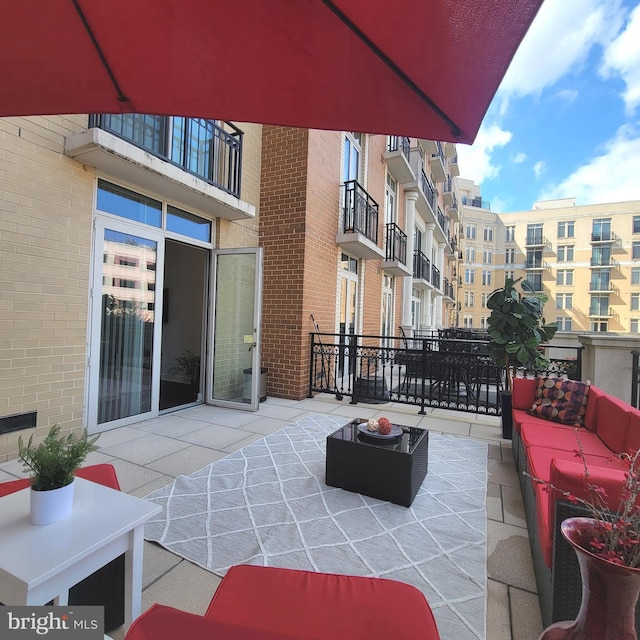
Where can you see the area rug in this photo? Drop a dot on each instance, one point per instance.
(267, 504)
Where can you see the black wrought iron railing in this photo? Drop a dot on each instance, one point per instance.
(428, 190)
(396, 244)
(443, 221)
(201, 147)
(435, 276)
(535, 239)
(602, 261)
(360, 211)
(399, 143)
(436, 370)
(421, 266)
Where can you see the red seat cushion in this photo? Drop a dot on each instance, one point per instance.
(562, 438)
(305, 604)
(612, 422)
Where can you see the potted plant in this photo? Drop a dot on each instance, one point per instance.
(517, 328)
(188, 363)
(53, 463)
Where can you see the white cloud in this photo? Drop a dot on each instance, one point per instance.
(622, 57)
(558, 43)
(609, 177)
(539, 168)
(475, 161)
(519, 158)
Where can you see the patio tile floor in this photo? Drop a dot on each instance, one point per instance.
(187, 440)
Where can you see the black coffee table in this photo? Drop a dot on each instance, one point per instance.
(390, 469)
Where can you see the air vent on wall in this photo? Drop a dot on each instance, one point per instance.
(18, 421)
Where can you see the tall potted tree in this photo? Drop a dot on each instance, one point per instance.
(517, 328)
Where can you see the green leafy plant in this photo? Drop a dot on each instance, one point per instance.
(189, 364)
(54, 461)
(517, 328)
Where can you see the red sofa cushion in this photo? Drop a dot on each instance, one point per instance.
(305, 604)
(633, 435)
(612, 422)
(591, 416)
(101, 473)
(561, 400)
(562, 438)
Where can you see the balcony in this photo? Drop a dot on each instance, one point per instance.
(602, 261)
(535, 239)
(448, 290)
(437, 163)
(534, 264)
(435, 276)
(443, 221)
(397, 155)
(600, 311)
(454, 168)
(360, 223)
(479, 203)
(603, 237)
(421, 266)
(395, 260)
(602, 286)
(447, 192)
(193, 161)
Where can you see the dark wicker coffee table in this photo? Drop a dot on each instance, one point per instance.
(391, 470)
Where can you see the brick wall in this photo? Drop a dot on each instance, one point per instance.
(46, 202)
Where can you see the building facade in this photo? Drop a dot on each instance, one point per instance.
(148, 263)
(586, 259)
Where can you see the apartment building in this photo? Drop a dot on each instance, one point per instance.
(148, 263)
(585, 258)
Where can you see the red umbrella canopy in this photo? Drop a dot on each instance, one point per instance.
(424, 68)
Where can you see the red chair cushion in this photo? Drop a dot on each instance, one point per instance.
(304, 604)
(523, 393)
(562, 438)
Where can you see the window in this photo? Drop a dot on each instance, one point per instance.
(534, 234)
(599, 305)
(390, 199)
(510, 256)
(510, 234)
(484, 322)
(635, 275)
(125, 284)
(535, 279)
(635, 326)
(635, 302)
(510, 275)
(485, 297)
(467, 322)
(488, 234)
(470, 253)
(124, 261)
(534, 259)
(469, 276)
(599, 326)
(564, 277)
(601, 230)
(601, 255)
(471, 232)
(151, 266)
(351, 160)
(564, 301)
(566, 229)
(565, 253)
(486, 278)
(636, 224)
(635, 250)
(469, 298)
(564, 323)
(487, 256)
(600, 279)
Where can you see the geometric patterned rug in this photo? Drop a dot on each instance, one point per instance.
(267, 504)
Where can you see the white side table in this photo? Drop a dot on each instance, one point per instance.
(39, 563)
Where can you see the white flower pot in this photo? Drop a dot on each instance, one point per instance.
(51, 506)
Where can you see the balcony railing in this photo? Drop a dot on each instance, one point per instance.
(534, 264)
(360, 211)
(200, 147)
(447, 185)
(396, 244)
(421, 266)
(447, 288)
(535, 239)
(602, 261)
(600, 311)
(596, 285)
(435, 276)
(428, 190)
(603, 236)
(443, 221)
(476, 202)
(399, 143)
(439, 152)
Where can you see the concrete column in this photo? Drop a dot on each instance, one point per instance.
(428, 310)
(430, 226)
(410, 198)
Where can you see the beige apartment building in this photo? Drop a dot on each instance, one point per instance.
(151, 263)
(585, 258)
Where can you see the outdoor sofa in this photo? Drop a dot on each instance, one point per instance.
(271, 603)
(544, 449)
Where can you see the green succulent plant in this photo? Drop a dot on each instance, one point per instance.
(54, 461)
(517, 328)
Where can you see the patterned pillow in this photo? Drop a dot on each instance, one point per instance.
(561, 400)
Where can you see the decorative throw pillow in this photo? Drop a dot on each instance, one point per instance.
(561, 400)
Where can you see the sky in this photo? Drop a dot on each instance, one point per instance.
(565, 121)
